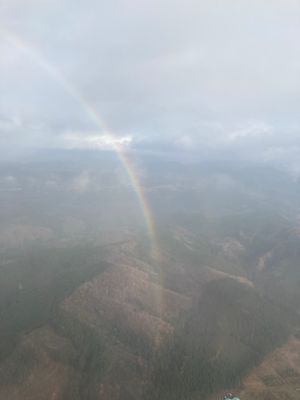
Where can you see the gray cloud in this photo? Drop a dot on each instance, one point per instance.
(208, 76)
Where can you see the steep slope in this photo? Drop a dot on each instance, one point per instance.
(96, 343)
(277, 377)
(221, 337)
(113, 324)
(39, 368)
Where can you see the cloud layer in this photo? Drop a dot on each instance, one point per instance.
(194, 75)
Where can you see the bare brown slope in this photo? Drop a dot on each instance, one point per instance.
(33, 372)
(277, 377)
(123, 312)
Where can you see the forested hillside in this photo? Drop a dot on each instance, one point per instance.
(89, 311)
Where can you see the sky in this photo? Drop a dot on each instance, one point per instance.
(203, 77)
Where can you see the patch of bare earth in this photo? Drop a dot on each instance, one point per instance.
(33, 372)
(125, 299)
(277, 377)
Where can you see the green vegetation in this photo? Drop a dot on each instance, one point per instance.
(212, 231)
(89, 359)
(227, 333)
(35, 282)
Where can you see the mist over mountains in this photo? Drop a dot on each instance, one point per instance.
(89, 312)
(149, 200)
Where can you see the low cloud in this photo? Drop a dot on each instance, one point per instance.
(220, 79)
(253, 130)
(94, 141)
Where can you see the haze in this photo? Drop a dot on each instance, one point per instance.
(149, 200)
(218, 77)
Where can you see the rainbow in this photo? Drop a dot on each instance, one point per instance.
(119, 148)
(97, 119)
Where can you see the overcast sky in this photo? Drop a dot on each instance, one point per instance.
(208, 76)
